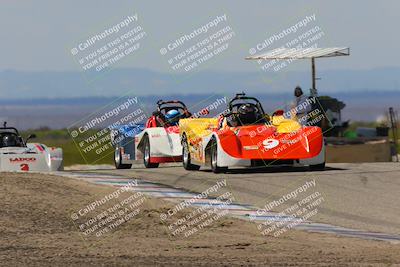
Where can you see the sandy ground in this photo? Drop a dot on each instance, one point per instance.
(36, 229)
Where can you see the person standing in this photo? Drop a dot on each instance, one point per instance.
(301, 106)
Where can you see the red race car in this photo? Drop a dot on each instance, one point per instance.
(246, 136)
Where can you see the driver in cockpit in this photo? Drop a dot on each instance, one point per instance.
(247, 114)
(172, 117)
(9, 140)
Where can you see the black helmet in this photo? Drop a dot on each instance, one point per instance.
(247, 114)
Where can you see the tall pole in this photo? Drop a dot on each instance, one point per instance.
(314, 89)
(393, 125)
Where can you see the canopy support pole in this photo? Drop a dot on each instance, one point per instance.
(314, 89)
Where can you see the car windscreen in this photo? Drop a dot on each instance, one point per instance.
(9, 139)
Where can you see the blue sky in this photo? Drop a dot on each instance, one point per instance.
(37, 35)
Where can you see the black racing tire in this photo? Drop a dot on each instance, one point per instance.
(214, 156)
(317, 167)
(146, 154)
(186, 160)
(118, 160)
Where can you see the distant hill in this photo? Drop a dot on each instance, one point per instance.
(28, 85)
(63, 112)
(58, 99)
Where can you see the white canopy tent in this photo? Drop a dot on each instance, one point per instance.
(304, 53)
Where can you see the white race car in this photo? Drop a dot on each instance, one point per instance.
(156, 142)
(17, 155)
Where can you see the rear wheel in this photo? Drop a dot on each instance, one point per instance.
(186, 160)
(317, 167)
(214, 158)
(146, 157)
(118, 160)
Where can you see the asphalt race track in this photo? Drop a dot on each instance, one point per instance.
(358, 196)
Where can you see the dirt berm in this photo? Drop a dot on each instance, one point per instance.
(36, 229)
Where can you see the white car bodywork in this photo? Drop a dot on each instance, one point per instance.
(162, 144)
(32, 157)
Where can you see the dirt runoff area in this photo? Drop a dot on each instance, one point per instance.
(39, 226)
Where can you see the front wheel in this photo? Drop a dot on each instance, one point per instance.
(118, 160)
(186, 160)
(317, 167)
(146, 157)
(214, 159)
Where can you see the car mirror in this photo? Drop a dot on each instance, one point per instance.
(278, 112)
(31, 136)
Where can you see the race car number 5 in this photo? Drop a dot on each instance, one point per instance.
(270, 143)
